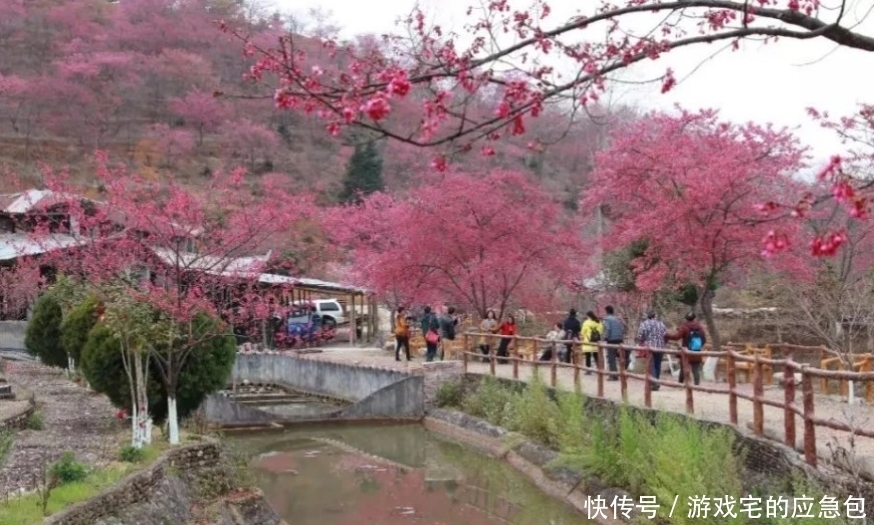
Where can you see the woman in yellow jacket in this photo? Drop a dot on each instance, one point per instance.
(592, 332)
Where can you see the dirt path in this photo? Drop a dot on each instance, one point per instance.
(711, 407)
(74, 419)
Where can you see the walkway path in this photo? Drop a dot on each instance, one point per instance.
(711, 407)
(74, 418)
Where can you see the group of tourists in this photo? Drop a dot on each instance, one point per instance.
(567, 335)
(652, 333)
(437, 330)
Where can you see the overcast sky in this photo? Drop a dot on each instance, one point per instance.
(762, 83)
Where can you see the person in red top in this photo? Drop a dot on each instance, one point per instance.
(689, 330)
(508, 327)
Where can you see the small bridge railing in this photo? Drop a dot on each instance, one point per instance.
(760, 366)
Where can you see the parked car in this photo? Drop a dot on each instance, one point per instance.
(331, 311)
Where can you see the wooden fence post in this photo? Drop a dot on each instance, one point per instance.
(686, 380)
(623, 379)
(789, 400)
(553, 369)
(731, 375)
(647, 385)
(809, 426)
(600, 371)
(758, 394)
(464, 351)
(514, 354)
(576, 363)
(492, 355)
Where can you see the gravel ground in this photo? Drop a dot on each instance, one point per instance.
(75, 420)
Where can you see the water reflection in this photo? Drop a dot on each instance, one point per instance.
(335, 477)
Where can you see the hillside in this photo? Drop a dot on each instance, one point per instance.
(160, 87)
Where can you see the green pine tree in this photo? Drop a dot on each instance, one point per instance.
(364, 173)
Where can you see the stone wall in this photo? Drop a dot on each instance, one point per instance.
(22, 408)
(12, 335)
(138, 487)
(767, 463)
(437, 374)
(315, 376)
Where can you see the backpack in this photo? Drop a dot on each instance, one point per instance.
(595, 336)
(696, 341)
(431, 337)
(449, 327)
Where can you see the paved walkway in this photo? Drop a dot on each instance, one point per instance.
(711, 407)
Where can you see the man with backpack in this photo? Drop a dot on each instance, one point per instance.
(652, 333)
(614, 334)
(428, 320)
(448, 321)
(692, 337)
(572, 328)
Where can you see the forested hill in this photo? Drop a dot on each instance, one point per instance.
(159, 86)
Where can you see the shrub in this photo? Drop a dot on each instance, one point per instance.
(76, 327)
(534, 414)
(491, 401)
(68, 470)
(450, 394)
(43, 336)
(7, 438)
(35, 421)
(130, 454)
(205, 371)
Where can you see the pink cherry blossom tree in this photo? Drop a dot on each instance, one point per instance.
(182, 253)
(687, 187)
(506, 60)
(482, 241)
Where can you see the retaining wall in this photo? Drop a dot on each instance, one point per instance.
(12, 335)
(767, 463)
(338, 380)
(375, 392)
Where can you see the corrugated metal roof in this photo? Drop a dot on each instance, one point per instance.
(15, 245)
(26, 201)
(245, 267)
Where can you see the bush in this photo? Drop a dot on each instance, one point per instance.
(68, 470)
(43, 336)
(491, 401)
(534, 414)
(76, 327)
(206, 370)
(130, 454)
(101, 364)
(35, 421)
(449, 395)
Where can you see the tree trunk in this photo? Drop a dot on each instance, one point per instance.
(172, 419)
(710, 363)
(144, 427)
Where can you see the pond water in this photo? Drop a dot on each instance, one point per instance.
(392, 475)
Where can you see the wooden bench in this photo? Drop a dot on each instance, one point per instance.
(859, 363)
(747, 368)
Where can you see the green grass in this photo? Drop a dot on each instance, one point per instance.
(666, 456)
(26, 510)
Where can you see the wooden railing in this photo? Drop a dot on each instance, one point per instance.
(531, 346)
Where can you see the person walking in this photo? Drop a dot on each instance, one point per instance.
(428, 320)
(489, 325)
(651, 334)
(591, 332)
(614, 334)
(448, 322)
(507, 328)
(402, 334)
(572, 329)
(693, 338)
